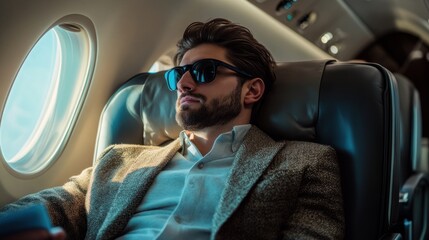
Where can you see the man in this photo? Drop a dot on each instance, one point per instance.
(223, 178)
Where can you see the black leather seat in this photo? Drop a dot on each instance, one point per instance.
(414, 192)
(352, 107)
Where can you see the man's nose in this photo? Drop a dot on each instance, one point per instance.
(186, 83)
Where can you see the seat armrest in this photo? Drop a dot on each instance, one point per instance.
(414, 210)
(409, 191)
(391, 236)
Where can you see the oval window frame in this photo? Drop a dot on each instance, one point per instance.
(52, 148)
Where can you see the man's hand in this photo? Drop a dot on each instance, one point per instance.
(56, 233)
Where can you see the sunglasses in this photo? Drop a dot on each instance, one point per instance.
(202, 71)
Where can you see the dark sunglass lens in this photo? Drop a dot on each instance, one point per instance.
(204, 71)
(173, 76)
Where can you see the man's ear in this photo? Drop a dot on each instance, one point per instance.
(253, 90)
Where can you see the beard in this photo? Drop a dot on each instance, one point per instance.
(218, 111)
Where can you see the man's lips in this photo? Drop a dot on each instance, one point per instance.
(189, 99)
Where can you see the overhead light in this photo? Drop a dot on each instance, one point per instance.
(334, 49)
(306, 20)
(326, 37)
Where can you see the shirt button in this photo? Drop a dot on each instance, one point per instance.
(177, 219)
(200, 165)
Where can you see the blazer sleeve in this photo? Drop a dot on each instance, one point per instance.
(65, 204)
(319, 210)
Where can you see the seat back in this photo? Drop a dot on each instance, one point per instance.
(410, 127)
(352, 107)
(414, 183)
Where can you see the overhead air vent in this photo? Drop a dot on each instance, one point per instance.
(285, 4)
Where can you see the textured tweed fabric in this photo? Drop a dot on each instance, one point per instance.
(276, 190)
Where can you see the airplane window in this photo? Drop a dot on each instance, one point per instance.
(164, 62)
(45, 98)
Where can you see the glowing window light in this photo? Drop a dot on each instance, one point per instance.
(45, 98)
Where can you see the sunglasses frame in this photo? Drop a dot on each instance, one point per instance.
(174, 75)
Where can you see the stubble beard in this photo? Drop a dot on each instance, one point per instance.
(217, 112)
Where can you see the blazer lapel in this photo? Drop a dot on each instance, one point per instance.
(253, 157)
(133, 188)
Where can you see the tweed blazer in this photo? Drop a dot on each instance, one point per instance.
(275, 190)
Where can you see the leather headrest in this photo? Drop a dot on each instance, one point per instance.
(291, 112)
(158, 105)
(158, 111)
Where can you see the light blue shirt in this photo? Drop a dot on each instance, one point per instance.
(183, 198)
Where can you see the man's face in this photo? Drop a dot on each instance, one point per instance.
(211, 104)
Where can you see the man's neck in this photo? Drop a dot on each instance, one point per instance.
(204, 138)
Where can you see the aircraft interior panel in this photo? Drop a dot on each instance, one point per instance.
(99, 46)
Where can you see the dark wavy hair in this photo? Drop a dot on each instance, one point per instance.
(243, 50)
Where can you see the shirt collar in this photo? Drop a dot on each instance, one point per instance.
(238, 132)
(233, 138)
